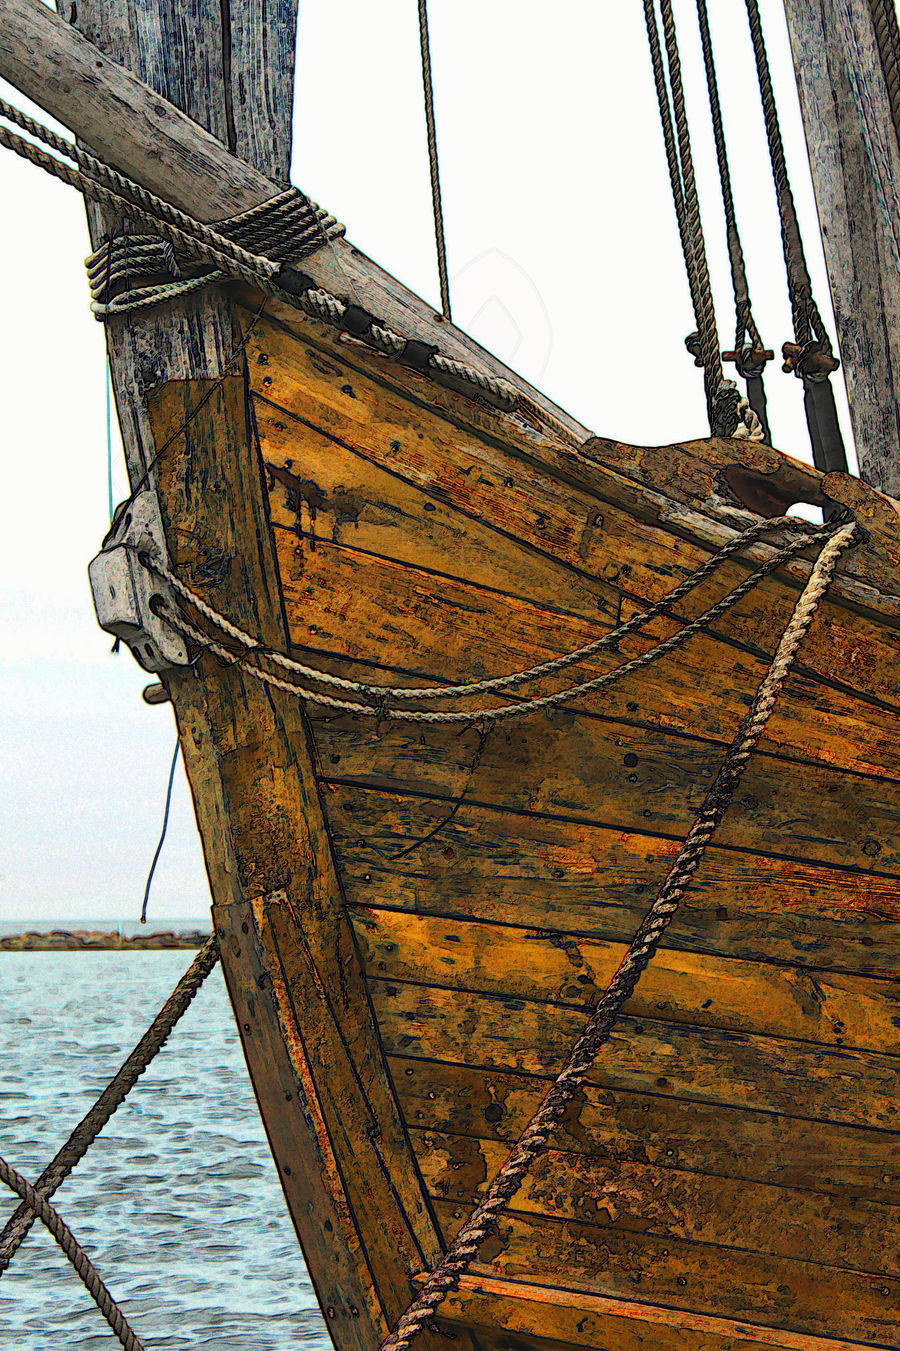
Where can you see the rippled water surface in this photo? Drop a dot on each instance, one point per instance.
(177, 1202)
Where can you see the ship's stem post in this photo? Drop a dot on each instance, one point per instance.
(292, 969)
(855, 160)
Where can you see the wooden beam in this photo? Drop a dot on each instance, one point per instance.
(846, 113)
(118, 117)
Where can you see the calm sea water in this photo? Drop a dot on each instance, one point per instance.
(177, 1202)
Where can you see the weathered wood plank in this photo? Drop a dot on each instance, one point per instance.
(429, 856)
(292, 963)
(703, 991)
(643, 1055)
(696, 1207)
(594, 771)
(805, 1297)
(346, 603)
(549, 1318)
(646, 1128)
(637, 518)
(858, 213)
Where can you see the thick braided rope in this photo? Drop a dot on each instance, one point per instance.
(75, 1253)
(207, 243)
(610, 639)
(537, 1133)
(380, 709)
(112, 1097)
(887, 39)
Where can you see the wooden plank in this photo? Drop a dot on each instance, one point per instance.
(430, 856)
(643, 1055)
(704, 1279)
(609, 511)
(267, 847)
(704, 1138)
(640, 1198)
(599, 772)
(346, 603)
(547, 1316)
(858, 210)
(719, 992)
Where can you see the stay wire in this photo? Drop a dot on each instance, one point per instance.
(162, 834)
(428, 90)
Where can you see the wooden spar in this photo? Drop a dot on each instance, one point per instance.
(859, 214)
(145, 136)
(345, 1162)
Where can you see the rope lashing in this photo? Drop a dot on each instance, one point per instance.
(208, 245)
(112, 1097)
(434, 168)
(750, 353)
(545, 1121)
(95, 1287)
(379, 696)
(809, 356)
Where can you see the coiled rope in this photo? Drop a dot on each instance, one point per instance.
(537, 1134)
(380, 695)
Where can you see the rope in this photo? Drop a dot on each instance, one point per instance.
(433, 160)
(379, 695)
(534, 1139)
(887, 39)
(749, 349)
(210, 246)
(162, 833)
(728, 414)
(112, 1097)
(76, 1255)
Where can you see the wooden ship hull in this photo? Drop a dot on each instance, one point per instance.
(415, 921)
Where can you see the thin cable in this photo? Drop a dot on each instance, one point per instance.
(433, 160)
(162, 835)
(109, 482)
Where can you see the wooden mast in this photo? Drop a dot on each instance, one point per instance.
(855, 160)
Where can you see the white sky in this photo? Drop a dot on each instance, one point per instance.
(564, 260)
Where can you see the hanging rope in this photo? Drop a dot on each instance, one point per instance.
(162, 833)
(537, 1134)
(750, 354)
(428, 91)
(810, 356)
(379, 696)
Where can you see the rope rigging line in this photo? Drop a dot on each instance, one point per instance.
(428, 91)
(444, 1278)
(728, 414)
(272, 277)
(112, 1097)
(750, 354)
(162, 833)
(887, 40)
(810, 356)
(379, 696)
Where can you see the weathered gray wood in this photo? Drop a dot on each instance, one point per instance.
(859, 215)
(147, 137)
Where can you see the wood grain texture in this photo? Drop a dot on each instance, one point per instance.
(549, 1318)
(617, 1125)
(647, 1055)
(292, 963)
(859, 217)
(703, 1278)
